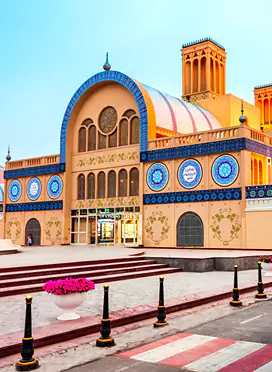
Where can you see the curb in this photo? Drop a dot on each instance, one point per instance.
(121, 320)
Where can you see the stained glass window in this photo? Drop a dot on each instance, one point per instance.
(91, 186)
(123, 132)
(101, 185)
(92, 138)
(111, 184)
(82, 139)
(81, 187)
(134, 182)
(122, 183)
(134, 130)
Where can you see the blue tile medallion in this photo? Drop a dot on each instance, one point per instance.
(15, 190)
(54, 187)
(225, 170)
(157, 177)
(34, 188)
(189, 173)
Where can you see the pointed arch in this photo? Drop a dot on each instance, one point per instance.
(112, 184)
(101, 185)
(91, 185)
(81, 187)
(122, 183)
(134, 182)
(82, 139)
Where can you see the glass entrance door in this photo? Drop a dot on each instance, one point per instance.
(105, 233)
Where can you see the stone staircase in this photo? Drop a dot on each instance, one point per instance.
(29, 279)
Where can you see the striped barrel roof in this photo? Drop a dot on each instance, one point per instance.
(180, 116)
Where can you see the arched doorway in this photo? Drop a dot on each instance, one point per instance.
(33, 227)
(190, 231)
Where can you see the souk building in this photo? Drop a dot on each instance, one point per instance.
(139, 167)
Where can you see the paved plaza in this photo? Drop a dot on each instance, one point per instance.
(68, 253)
(123, 294)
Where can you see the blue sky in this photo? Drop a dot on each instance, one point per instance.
(50, 47)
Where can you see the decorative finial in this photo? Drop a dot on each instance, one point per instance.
(107, 66)
(242, 118)
(8, 157)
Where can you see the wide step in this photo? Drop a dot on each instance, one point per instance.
(72, 269)
(32, 288)
(30, 279)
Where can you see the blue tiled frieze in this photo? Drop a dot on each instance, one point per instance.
(194, 196)
(258, 147)
(236, 144)
(258, 192)
(35, 206)
(120, 78)
(35, 171)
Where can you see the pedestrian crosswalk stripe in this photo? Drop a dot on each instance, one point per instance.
(173, 348)
(200, 353)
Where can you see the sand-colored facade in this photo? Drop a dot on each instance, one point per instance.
(140, 167)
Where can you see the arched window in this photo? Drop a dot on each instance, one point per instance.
(129, 113)
(255, 172)
(203, 73)
(102, 141)
(122, 189)
(217, 76)
(111, 184)
(134, 130)
(82, 139)
(123, 132)
(188, 77)
(190, 231)
(113, 139)
(195, 75)
(81, 187)
(260, 172)
(134, 182)
(101, 187)
(91, 186)
(92, 138)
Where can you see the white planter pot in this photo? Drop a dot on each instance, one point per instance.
(68, 303)
(267, 267)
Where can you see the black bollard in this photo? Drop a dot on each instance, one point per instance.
(260, 287)
(105, 340)
(27, 362)
(235, 301)
(161, 308)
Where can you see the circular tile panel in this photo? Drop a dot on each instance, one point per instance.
(157, 176)
(15, 190)
(189, 173)
(225, 170)
(54, 187)
(34, 188)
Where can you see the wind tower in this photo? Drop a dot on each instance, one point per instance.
(263, 100)
(203, 69)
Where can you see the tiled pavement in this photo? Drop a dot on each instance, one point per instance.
(123, 294)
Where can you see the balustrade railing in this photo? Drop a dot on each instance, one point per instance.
(239, 131)
(33, 162)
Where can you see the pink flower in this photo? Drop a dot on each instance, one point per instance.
(68, 286)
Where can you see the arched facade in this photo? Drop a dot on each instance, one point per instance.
(139, 166)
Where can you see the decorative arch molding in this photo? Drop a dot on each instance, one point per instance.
(117, 77)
